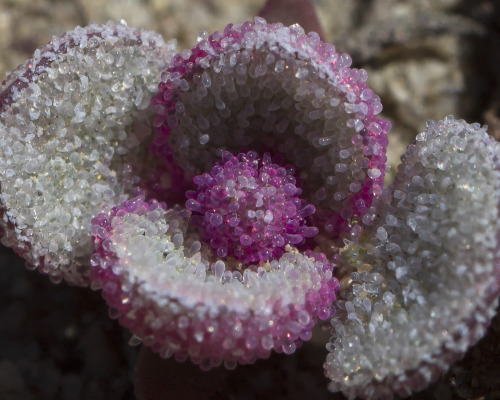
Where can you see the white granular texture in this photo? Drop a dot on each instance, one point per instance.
(424, 287)
(73, 125)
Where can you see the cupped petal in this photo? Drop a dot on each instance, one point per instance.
(170, 290)
(266, 87)
(74, 131)
(423, 284)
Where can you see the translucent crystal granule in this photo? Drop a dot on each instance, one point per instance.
(422, 284)
(74, 130)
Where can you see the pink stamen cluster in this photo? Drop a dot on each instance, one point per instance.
(169, 290)
(249, 208)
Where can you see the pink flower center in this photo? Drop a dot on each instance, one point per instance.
(249, 208)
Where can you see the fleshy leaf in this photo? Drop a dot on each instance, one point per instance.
(266, 87)
(74, 131)
(422, 284)
(172, 292)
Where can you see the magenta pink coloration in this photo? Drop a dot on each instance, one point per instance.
(204, 71)
(217, 325)
(249, 208)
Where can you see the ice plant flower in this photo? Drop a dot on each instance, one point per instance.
(73, 121)
(264, 183)
(273, 125)
(422, 283)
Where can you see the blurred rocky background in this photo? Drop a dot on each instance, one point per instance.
(425, 58)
